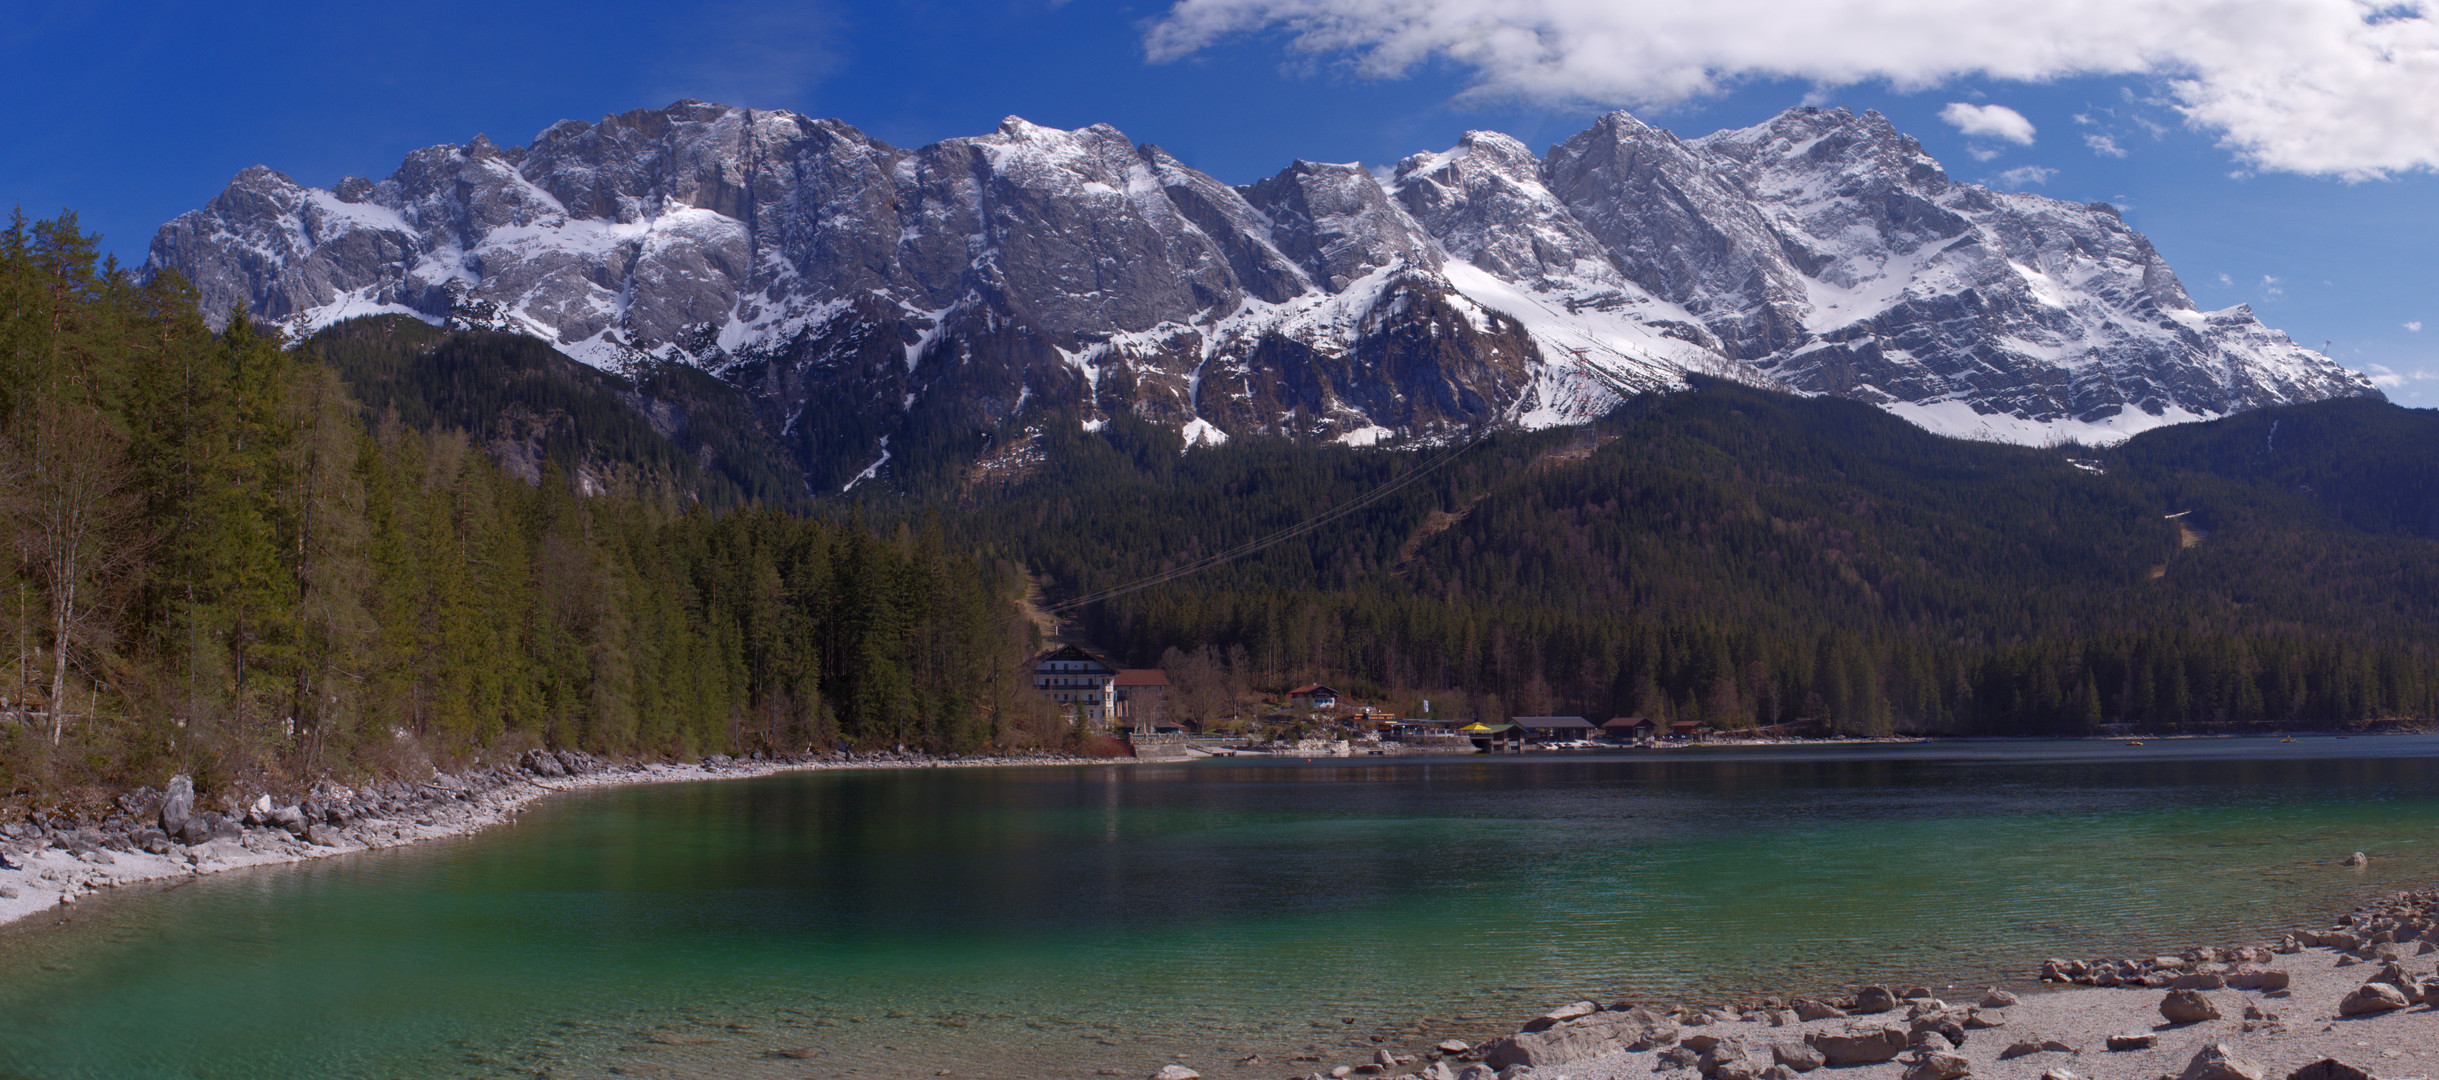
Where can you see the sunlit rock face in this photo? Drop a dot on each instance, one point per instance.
(862, 290)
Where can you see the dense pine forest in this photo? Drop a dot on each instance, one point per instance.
(229, 564)
(1746, 559)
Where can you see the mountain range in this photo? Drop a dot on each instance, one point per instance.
(879, 306)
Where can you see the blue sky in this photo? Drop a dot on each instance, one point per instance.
(2321, 212)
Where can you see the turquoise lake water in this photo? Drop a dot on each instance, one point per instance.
(1058, 921)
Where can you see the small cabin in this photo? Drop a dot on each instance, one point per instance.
(1311, 697)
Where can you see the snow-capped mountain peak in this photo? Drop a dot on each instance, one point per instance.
(856, 284)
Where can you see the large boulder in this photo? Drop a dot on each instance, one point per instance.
(290, 818)
(1860, 1046)
(2329, 1069)
(1874, 999)
(177, 804)
(1939, 1065)
(1940, 1024)
(2218, 1062)
(1597, 1033)
(2187, 1007)
(1799, 1057)
(1726, 1058)
(206, 826)
(2372, 999)
(1561, 1015)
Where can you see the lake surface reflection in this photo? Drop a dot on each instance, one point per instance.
(1058, 921)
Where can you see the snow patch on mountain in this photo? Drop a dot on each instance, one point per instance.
(1959, 420)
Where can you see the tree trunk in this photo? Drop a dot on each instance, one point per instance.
(63, 609)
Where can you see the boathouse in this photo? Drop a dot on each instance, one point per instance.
(1630, 728)
(1556, 728)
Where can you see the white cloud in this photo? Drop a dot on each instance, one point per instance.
(2388, 379)
(2272, 288)
(2343, 87)
(2104, 146)
(2026, 175)
(2226, 281)
(1993, 121)
(2415, 326)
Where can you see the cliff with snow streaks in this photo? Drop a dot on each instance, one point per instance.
(862, 292)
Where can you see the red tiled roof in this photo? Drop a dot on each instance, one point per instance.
(1143, 677)
(1312, 688)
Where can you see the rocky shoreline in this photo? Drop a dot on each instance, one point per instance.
(147, 835)
(2356, 1002)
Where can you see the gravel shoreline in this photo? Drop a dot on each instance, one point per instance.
(149, 837)
(2360, 1000)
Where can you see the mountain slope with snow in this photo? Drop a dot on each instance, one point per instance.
(943, 296)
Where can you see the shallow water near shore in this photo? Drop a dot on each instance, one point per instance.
(1055, 921)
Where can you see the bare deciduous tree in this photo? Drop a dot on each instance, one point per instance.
(75, 523)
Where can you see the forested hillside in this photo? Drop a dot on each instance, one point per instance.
(673, 433)
(1745, 558)
(227, 565)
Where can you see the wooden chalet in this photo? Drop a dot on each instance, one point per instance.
(1312, 697)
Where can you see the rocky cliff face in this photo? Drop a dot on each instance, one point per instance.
(866, 292)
